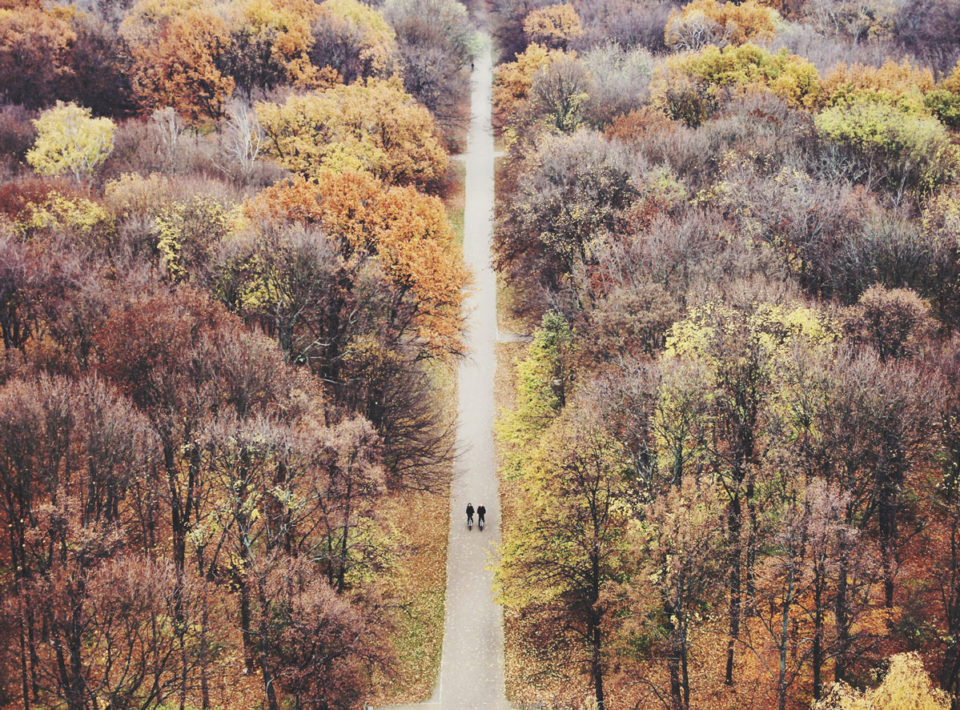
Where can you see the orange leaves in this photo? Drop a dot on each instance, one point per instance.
(34, 55)
(177, 66)
(406, 230)
(512, 80)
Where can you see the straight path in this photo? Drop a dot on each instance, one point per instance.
(471, 668)
(471, 664)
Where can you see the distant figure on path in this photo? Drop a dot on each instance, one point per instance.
(481, 511)
(469, 515)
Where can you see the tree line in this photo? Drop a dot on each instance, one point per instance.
(228, 281)
(731, 448)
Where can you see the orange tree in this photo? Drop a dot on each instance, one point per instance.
(405, 230)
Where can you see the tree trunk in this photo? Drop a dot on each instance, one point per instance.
(817, 653)
(842, 625)
(734, 523)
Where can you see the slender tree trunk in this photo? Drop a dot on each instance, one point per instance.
(734, 523)
(268, 682)
(842, 624)
(817, 653)
(684, 669)
(596, 665)
(24, 677)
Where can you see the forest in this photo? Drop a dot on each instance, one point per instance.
(730, 452)
(232, 291)
(230, 294)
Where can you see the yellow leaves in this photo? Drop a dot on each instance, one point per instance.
(374, 126)
(70, 140)
(902, 85)
(708, 21)
(85, 218)
(286, 26)
(553, 26)
(746, 68)
(906, 686)
(512, 80)
(771, 326)
(379, 39)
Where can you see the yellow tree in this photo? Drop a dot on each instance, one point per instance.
(512, 80)
(70, 140)
(553, 26)
(271, 41)
(906, 686)
(373, 126)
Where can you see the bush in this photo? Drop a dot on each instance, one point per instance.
(742, 69)
(69, 140)
(559, 92)
(17, 132)
(554, 26)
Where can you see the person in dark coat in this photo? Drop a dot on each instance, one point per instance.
(481, 511)
(469, 513)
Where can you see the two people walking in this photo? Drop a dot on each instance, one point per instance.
(481, 512)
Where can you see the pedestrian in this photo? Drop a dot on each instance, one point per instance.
(469, 515)
(481, 511)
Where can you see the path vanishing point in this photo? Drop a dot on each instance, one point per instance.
(471, 665)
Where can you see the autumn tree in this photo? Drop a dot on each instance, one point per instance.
(678, 545)
(570, 196)
(704, 22)
(353, 39)
(434, 46)
(512, 80)
(553, 26)
(904, 152)
(69, 140)
(906, 684)
(35, 46)
(570, 543)
(373, 126)
(177, 64)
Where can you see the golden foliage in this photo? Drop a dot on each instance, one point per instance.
(553, 26)
(900, 84)
(906, 686)
(704, 22)
(744, 68)
(512, 80)
(407, 230)
(373, 126)
(177, 65)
